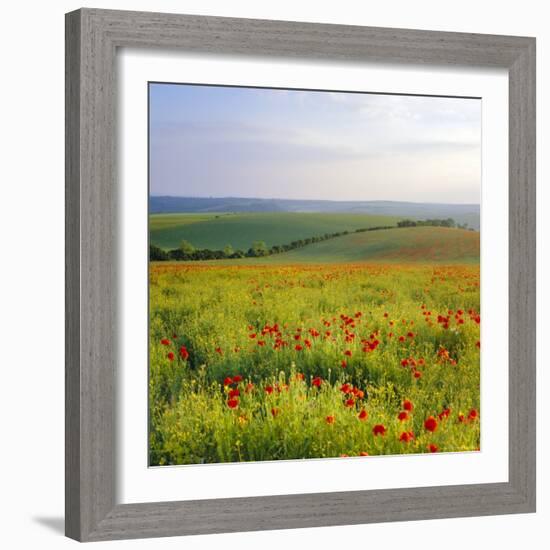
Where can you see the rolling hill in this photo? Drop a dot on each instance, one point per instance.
(461, 213)
(416, 245)
(216, 230)
(403, 245)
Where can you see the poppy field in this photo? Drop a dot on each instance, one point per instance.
(269, 361)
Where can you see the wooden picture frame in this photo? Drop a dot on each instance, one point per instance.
(92, 39)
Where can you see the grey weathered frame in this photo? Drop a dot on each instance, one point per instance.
(92, 37)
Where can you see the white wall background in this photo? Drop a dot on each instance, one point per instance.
(32, 270)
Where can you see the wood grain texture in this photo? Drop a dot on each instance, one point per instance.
(92, 37)
(72, 277)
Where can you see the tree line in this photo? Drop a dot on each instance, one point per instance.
(448, 222)
(187, 252)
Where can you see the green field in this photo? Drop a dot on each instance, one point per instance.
(403, 245)
(275, 362)
(168, 222)
(362, 344)
(424, 245)
(214, 231)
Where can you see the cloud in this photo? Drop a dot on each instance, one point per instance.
(250, 142)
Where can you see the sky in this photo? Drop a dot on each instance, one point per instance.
(218, 141)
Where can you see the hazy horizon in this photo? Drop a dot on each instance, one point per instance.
(303, 199)
(231, 142)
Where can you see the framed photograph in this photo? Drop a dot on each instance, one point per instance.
(300, 275)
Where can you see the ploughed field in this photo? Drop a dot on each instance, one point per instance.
(275, 358)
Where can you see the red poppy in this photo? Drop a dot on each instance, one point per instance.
(407, 405)
(184, 354)
(403, 415)
(363, 453)
(401, 338)
(461, 417)
(228, 381)
(249, 387)
(234, 393)
(237, 378)
(317, 381)
(379, 429)
(232, 403)
(300, 376)
(363, 415)
(432, 448)
(171, 356)
(348, 353)
(219, 350)
(472, 415)
(344, 364)
(345, 388)
(417, 374)
(329, 419)
(165, 342)
(252, 336)
(410, 334)
(430, 424)
(406, 437)
(274, 411)
(350, 402)
(269, 389)
(444, 414)
(404, 362)
(298, 347)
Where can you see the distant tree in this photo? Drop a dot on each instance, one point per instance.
(449, 222)
(156, 254)
(406, 223)
(186, 248)
(259, 248)
(228, 250)
(177, 254)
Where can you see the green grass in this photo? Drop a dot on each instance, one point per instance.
(413, 245)
(169, 222)
(280, 327)
(403, 245)
(215, 231)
